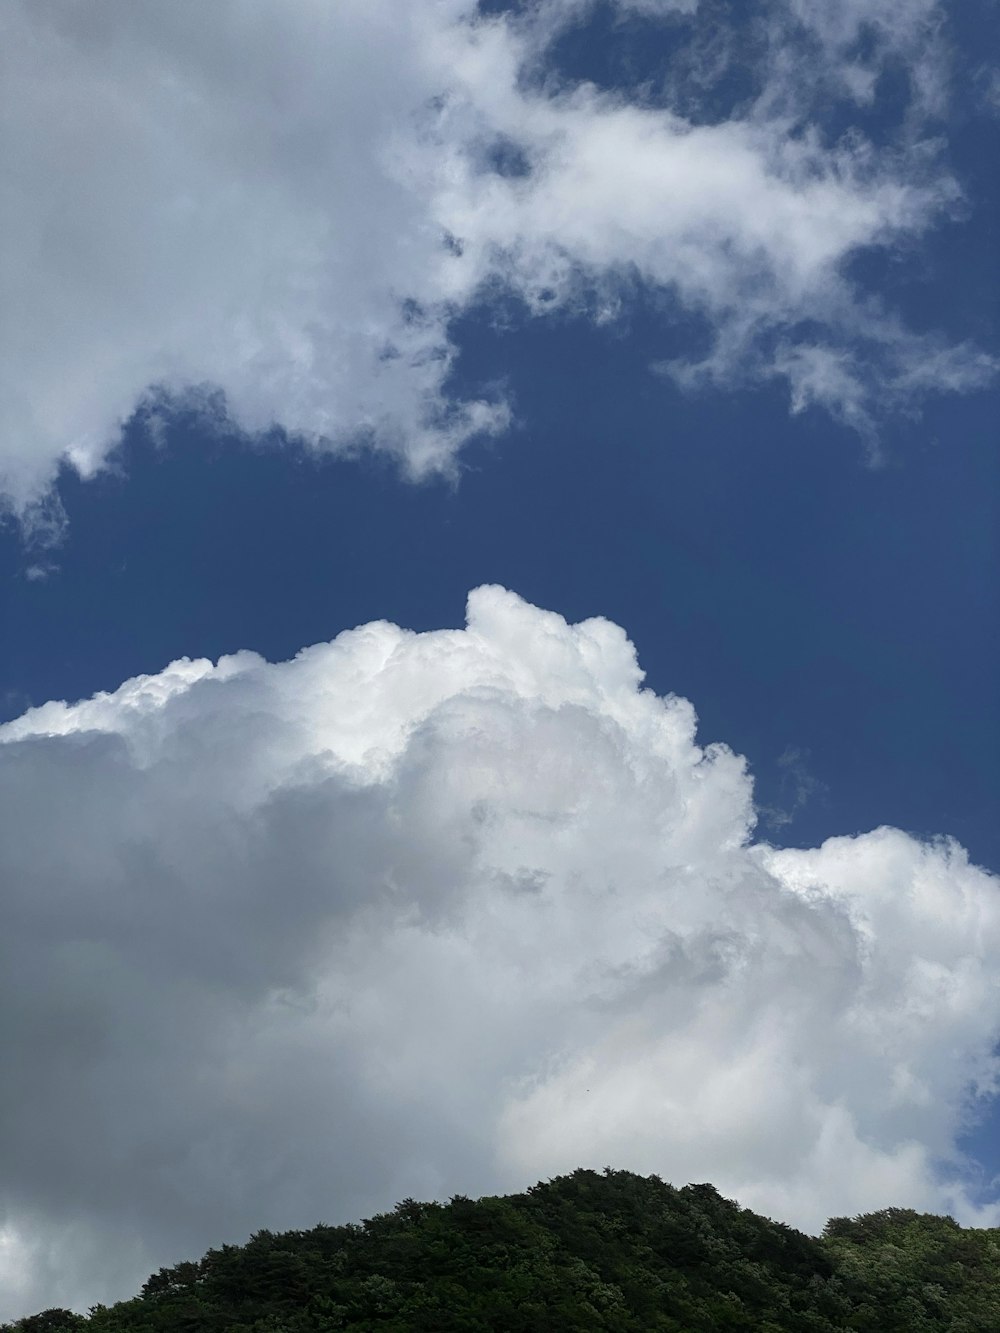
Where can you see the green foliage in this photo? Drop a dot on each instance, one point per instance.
(50, 1321)
(588, 1251)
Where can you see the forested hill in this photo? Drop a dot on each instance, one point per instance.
(586, 1251)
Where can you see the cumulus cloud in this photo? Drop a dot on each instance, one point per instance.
(423, 913)
(292, 202)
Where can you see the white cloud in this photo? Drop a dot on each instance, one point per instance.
(293, 200)
(425, 913)
(907, 33)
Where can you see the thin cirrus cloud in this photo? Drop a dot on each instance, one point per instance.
(293, 201)
(418, 913)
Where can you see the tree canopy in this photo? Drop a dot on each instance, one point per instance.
(586, 1251)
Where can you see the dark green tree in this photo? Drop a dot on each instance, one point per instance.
(605, 1251)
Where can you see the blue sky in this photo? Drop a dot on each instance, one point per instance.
(804, 601)
(683, 317)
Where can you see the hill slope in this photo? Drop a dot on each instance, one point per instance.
(611, 1251)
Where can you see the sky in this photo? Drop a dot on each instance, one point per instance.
(499, 613)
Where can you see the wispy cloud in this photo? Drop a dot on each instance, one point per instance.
(293, 202)
(796, 787)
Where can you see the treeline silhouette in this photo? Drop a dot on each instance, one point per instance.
(612, 1251)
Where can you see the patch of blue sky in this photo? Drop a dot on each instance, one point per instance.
(798, 597)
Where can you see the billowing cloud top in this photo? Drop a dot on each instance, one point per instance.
(293, 199)
(421, 913)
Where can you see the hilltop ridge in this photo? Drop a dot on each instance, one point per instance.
(602, 1251)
